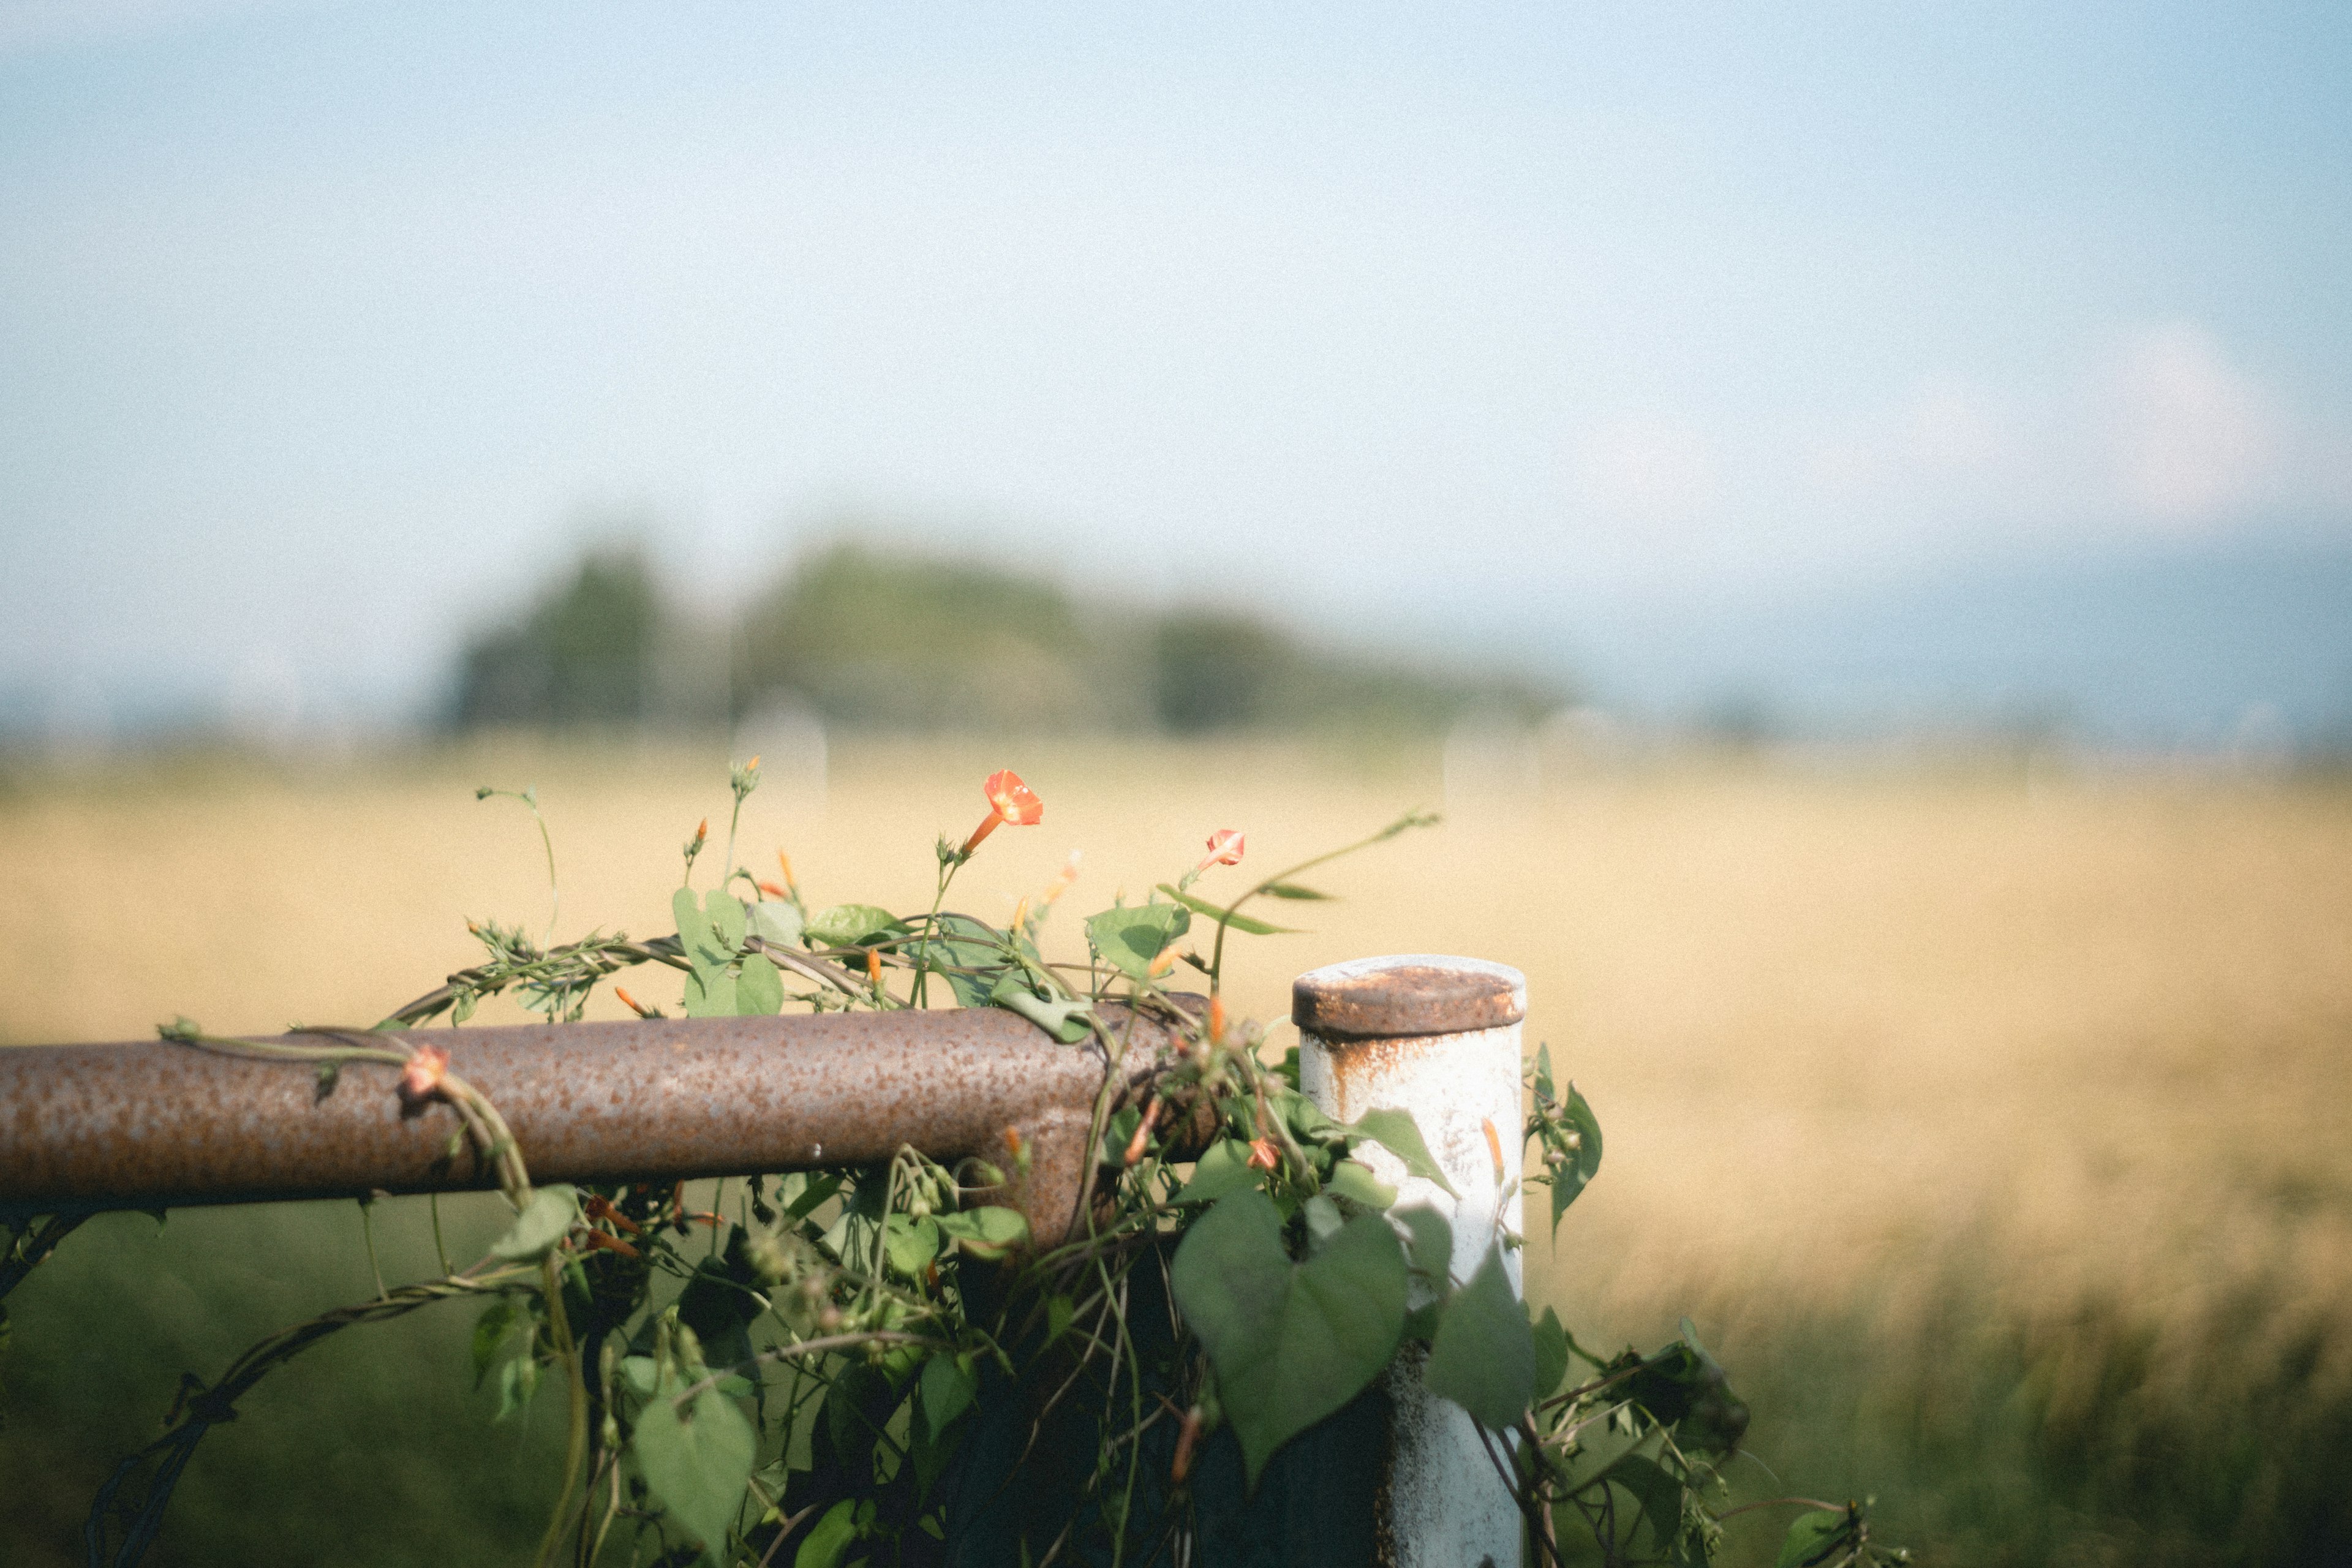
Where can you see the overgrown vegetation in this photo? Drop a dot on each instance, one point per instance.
(815, 1364)
(900, 642)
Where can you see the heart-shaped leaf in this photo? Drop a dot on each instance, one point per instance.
(1291, 1342)
(1400, 1134)
(540, 1227)
(1483, 1358)
(1220, 1171)
(696, 1462)
(1130, 939)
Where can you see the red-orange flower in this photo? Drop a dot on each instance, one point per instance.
(1010, 802)
(1224, 849)
(772, 890)
(606, 1241)
(633, 1005)
(1217, 1020)
(1263, 1154)
(427, 1065)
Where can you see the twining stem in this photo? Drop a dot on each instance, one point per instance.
(1410, 820)
(575, 1446)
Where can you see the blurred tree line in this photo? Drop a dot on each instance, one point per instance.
(869, 639)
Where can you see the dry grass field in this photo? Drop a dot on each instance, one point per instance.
(1993, 1129)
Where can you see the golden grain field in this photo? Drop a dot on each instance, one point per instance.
(2041, 1079)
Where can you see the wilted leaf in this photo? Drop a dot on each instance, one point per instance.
(1396, 1131)
(1484, 1357)
(1129, 939)
(1291, 1342)
(553, 1210)
(846, 925)
(696, 1463)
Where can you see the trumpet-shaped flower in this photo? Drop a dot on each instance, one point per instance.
(1224, 849)
(1010, 802)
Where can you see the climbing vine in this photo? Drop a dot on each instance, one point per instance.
(879, 1364)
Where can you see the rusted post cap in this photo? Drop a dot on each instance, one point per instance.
(1406, 995)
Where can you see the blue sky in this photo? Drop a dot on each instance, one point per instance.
(325, 327)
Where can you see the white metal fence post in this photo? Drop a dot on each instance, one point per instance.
(1439, 1038)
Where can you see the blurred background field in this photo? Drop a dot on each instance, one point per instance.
(1848, 511)
(1986, 1117)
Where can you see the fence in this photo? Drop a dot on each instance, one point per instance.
(147, 1125)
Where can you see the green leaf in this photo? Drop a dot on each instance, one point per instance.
(948, 1389)
(988, 1231)
(909, 1243)
(1396, 1131)
(1292, 891)
(1222, 1170)
(695, 936)
(1291, 1342)
(1065, 1019)
(1551, 1354)
(1543, 1071)
(1130, 939)
(697, 1464)
(1660, 1495)
(709, 994)
(553, 1210)
(823, 1546)
(1583, 1160)
(1431, 1244)
(772, 920)
(846, 925)
(518, 1380)
(725, 913)
(1356, 1184)
(1483, 1358)
(491, 1332)
(1208, 911)
(1816, 1537)
(970, 955)
(759, 990)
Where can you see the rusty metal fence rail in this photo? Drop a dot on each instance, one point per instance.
(151, 1124)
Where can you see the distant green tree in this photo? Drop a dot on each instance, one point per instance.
(1215, 670)
(905, 642)
(583, 654)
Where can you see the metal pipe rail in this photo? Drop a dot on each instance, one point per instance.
(154, 1124)
(150, 1124)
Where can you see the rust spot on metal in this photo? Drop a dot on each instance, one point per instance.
(1388, 998)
